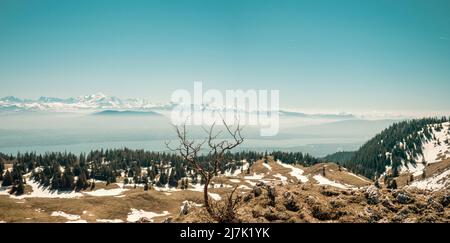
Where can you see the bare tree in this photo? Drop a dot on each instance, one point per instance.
(190, 150)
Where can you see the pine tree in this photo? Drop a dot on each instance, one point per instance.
(162, 180)
(172, 180)
(81, 183)
(56, 181)
(146, 187)
(7, 179)
(20, 188)
(323, 171)
(2, 168)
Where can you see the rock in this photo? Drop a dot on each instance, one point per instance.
(247, 197)
(256, 213)
(186, 208)
(257, 191)
(144, 220)
(403, 197)
(260, 184)
(372, 195)
(435, 205)
(338, 203)
(329, 192)
(373, 215)
(311, 201)
(272, 193)
(168, 220)
(409, 220)
(323, 212)
(389, 205)
(445, 201)
(290, 202)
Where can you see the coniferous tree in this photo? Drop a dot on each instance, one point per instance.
(20, 188)
(172, 180)
(7, 179)
(2, 168)
(162, 180)
(81, 183)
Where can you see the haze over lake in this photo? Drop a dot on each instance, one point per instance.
(81, 132)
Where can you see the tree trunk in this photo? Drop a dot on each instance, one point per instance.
(206, 198)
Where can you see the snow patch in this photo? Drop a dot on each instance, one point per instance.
(137, 214)
(41, 192)
(295, 172)
(215, 196)
(435, 182)
(65, 215)
(105, 193)
(244, 187)
(267, 166)
(325, 181)
(282, 178)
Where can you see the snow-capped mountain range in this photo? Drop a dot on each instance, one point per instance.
(97, 101)
(101, 102)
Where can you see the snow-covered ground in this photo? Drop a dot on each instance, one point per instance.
(137, 214)
(244, 187)
(252, 183)
(325, 181)
(41, 192)
(436, 182)
(235, 180)
(295, 172)
(215, 196)
(416, 169)
(105, 193)
(71, 217)
(435, 147)
(434, 150)
(267, 166)
(282, 178)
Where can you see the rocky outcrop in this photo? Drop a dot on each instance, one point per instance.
(312, 203)
(373, 195)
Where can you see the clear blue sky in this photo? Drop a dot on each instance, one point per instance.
(344, 55)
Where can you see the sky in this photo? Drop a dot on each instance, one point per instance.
(322, 55)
